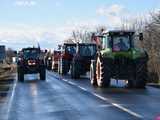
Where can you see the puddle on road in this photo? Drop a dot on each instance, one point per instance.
(31, 77)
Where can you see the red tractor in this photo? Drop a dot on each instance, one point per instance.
(55, 57)
(67, 52)
(30, 61)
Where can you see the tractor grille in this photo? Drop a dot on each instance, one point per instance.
(122, 61)
(122, 67)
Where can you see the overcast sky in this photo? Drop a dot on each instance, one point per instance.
(24, 22)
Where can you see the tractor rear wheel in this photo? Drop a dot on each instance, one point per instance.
(141, 76)
(63, 67)
(93, 78)
(75, 71)
(130, 83)
(43, 74)
(102, 73)
(20, 75)
(59, 67)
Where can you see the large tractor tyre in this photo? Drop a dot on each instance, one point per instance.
(20, 76)
(49, 67)
(93, 78)
(130, 83)
(43, 74)
(59, 67)
(75, 70)
(55, 69)
(131, 78)
(141, 76)
(102, 73)
(64, 67)
(138, 82)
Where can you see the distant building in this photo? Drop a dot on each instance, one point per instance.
(2, 53)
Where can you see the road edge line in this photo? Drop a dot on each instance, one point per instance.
(104, 99)
(10, 101)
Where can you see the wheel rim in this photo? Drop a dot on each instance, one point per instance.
(91, 75)
(98, 72)
(72, 71)
(59, 69)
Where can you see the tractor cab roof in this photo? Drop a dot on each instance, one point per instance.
(69, 44)
(56, 51)
(86, 44)
(120, 32)
(30, 48)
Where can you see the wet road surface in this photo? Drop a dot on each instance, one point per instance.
(60, 98)
(6, 88)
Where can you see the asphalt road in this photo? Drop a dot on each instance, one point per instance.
(61, 98)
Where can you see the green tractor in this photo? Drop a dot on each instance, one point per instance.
(119, 59)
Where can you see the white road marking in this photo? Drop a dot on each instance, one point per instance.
(107, 100)
(72, 83)
(101, 97)
(11, 98)
(118, 106)
(127, 110)
(105, 105)
(84, 89)
(65, 80)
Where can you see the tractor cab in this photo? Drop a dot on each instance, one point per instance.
(69, 48)
(67, 52)
(118, 41)
(86, 49)
(31, 53)
(85, 52)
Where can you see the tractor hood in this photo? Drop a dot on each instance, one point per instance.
(131, 54)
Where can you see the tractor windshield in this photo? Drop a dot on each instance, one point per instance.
(31, 53)
(87, 50)
(121, 43)
(71, 50)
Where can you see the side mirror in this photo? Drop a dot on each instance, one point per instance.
(63, 47)
(46, 51)
(141, 36)
(59, 47)
(101, 36)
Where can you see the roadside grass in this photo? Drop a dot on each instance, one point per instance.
(4, 87)
(6, 77)
(158, 82)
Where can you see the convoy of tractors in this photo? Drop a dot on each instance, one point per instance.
(110, 55)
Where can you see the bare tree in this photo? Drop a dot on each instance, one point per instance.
(69, 40)
(84, 35)
(152, 43)
(151, 29)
